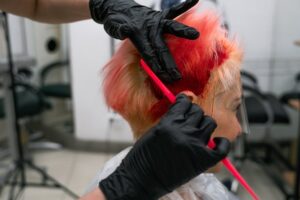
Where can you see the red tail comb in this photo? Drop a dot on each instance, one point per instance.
(226, 162)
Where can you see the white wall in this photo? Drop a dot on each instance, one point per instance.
(268, 30)
(257, 23)
(253, 25)
(89, 50)
(30, 38)
(17, 36)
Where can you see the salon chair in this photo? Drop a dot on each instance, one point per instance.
(263, 108)
(56, 90)
(266, 109)
(30, 103)
(294, 94)
(3, 150)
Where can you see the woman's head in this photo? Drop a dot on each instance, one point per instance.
(209, 68)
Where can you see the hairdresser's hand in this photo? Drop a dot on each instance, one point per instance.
(145, 27)
(168, 155)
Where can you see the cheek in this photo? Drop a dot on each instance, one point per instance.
(205, 106)
(228, 125)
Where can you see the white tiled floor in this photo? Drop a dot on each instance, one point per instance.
(76, 169)
(259, 181)
(71, 168)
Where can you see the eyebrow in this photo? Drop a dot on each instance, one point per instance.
(220, 93)
(237, 99)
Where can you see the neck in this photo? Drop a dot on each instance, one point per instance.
(139, 128)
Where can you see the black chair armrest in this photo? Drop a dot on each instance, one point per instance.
(249, 76)
(262, 115)
(289, 96)
(46, 69)
(42, 99)
(298, 77)
(254, 91)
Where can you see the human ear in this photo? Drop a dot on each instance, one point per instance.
(206, 104)
(191, 96)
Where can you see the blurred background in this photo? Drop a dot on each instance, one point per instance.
(68, 133)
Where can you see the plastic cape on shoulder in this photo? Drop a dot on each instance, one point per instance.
(204, 187)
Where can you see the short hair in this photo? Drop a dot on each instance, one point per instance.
(212, 57)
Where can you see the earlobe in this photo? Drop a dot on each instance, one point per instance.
(205, 104)
(191, 96)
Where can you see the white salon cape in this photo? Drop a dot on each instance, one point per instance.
(204, 187)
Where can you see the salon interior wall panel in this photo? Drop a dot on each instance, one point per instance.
(267, 30)
(119, 130)
(47, 44)
(17, 34)
(252, 21)
(287, 29)
(282, 77)
(276, 76)
(89, 51)
(261, 69)
(30, 36)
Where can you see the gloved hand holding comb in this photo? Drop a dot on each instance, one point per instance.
(167, 156)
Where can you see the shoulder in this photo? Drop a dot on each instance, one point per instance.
(204, 187)
(111, 165)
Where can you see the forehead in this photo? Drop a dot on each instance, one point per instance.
(234, 93)
(231, 93)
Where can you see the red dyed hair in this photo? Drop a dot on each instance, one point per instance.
(130, 92)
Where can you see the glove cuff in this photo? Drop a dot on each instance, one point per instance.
(98, 10)
(118, 186)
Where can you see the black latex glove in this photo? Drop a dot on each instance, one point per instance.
(167, 156)
(145, 27)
